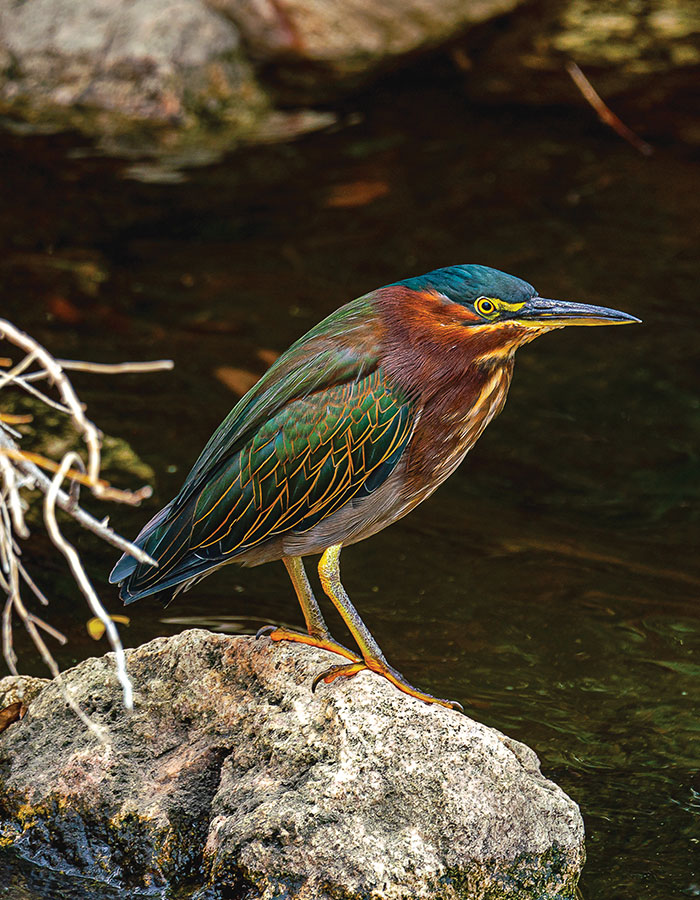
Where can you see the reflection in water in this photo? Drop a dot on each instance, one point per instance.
(551, 585)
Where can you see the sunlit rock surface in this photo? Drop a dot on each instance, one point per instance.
(179, 78)
(232, 771)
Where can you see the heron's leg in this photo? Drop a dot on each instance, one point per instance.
(318, 633)
(315, 623)
(372, 656)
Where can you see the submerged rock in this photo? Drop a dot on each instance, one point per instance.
(229, 769)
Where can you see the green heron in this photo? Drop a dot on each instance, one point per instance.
(358, 422)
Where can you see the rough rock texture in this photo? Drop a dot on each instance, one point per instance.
(20, 687)
(231, 768)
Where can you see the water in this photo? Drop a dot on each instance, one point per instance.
(551, 585)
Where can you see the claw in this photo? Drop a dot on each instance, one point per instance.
(264, 631)
(334, 672)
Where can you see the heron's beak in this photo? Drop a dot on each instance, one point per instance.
(556, 313)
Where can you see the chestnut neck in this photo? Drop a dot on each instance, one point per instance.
(432, 347)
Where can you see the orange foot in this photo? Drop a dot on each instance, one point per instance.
(396, 678)
(324, 643)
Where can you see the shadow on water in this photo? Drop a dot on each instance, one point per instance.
(551, 585)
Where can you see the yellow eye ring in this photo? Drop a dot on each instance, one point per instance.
(485, 307)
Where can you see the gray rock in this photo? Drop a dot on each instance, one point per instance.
(344, 39)
(231, 768)
(174, 79)
(20, 687)
(163, 76)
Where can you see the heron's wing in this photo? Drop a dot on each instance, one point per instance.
(342, 348)
(313, 456)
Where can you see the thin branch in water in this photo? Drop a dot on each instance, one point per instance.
(49, 629)
(156, 365)
(82, 579)
(605, 114)
(32, 585)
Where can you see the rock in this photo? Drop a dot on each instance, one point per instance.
(326, 43)
(20, 687)
(163, 76)
(230, 769)
(178, 79)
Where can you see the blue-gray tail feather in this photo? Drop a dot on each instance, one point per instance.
(137, 580)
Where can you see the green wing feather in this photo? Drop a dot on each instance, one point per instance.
(322, 427)
(341, 348)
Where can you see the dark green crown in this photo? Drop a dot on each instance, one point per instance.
(465, 284)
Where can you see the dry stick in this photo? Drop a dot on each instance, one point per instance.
(34, 587)
(81, 578)
(40, 395)
(63, 500)
(49, 629)
(87, 429)
(7, 649)
(13, 499)
(133, 498)
(18, 369)
(125, 368)
(605, 114)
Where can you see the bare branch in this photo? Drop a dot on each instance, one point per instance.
(21, 469)
(42, 483)
(49, 629)
(71, 555)
(156, 365)
(605, 114)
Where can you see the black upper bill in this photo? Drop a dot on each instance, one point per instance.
(561, 312)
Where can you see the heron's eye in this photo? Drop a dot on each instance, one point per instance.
(485, 307)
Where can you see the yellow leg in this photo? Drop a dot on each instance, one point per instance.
(318, 634)
(372, 656)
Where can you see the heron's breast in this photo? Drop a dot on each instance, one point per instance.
(449, 426)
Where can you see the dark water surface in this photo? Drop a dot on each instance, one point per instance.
(552, 584)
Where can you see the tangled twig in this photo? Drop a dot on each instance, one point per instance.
(21, 470)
